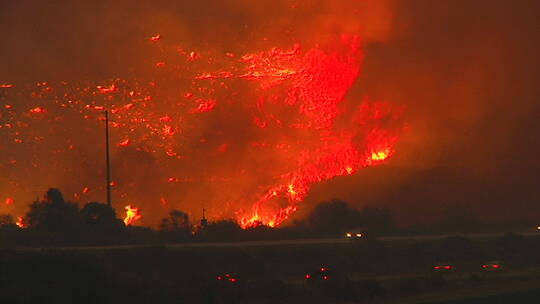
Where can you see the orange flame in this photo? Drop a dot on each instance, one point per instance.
(132, 214)
(20, 222)
(380, 155)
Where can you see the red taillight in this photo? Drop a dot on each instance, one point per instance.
(323, 269)
(496, 266)
(308, 276)
(227, 275)
(447, 267)
(437, 267)
(233, 280)
(325, 277)
(219, 278)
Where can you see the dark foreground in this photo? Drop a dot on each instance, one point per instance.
(369, 271)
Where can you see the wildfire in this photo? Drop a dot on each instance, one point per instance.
(37, 110)
(20, 222)
(133, 214)
(282, 116)
(381, 155)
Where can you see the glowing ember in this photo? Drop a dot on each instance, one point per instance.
(124, 143)
(247, 134)
(133, 214)
(20, 222)
(38, 110)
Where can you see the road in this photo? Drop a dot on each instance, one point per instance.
(326, 241)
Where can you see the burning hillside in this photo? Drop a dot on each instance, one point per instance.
(254, 131)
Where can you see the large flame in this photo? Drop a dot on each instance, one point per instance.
(245, 135)
(20, 222)
(133, 214)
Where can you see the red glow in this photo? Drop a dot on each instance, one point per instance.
(193, 56)
(287, 111)
(38, 110)
(308, 276)
(447, 267)
(124, 143)
(133, 214)
(20, 222)
(204, 106)
(6, 85)
(9, 201)
(106, 90)
(155, 38)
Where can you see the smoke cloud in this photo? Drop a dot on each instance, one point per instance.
(466, 72)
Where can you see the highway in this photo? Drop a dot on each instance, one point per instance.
(294, 242)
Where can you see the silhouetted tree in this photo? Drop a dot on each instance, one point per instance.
(224, 230)
(100, 221)
(6, 220)
(176, 221)
(176, 226)
(333, 218)
(377, 220)
(53, 214)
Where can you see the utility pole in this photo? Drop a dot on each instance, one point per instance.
(204, 221)
(107, 159)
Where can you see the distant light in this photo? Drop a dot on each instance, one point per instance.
(358, 235)
(308, 276)
(349, 235)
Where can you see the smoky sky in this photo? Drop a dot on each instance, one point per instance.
(467, 73)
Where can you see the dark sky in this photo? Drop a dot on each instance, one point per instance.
(467, 71)
(469, 74)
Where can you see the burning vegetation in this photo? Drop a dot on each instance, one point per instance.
(244, 129)
(281, 116)
(133, 214)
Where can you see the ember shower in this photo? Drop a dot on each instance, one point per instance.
(244, 135)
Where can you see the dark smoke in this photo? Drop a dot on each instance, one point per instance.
(467, 72)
